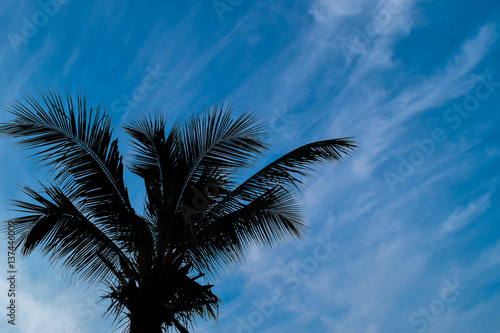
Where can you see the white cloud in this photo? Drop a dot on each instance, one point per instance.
(464, 215)
(327, 10)
(45, 303)
(381, 120)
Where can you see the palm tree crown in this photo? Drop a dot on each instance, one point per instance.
(201, 212)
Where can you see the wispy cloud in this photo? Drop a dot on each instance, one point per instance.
(464, 215)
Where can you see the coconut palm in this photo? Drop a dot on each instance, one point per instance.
(204, 208)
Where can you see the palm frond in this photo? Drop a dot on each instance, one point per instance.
(268, 220)
(58, 228)
(288, 171)
(263, 210)
(78, 147)
(213, 139)
(155, 159)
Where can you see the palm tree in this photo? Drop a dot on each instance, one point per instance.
(202, 212)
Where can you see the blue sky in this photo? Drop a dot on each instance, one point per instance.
(404, 235)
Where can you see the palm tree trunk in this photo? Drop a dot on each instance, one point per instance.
(143, 322)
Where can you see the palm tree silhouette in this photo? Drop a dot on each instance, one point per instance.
(202, 212)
